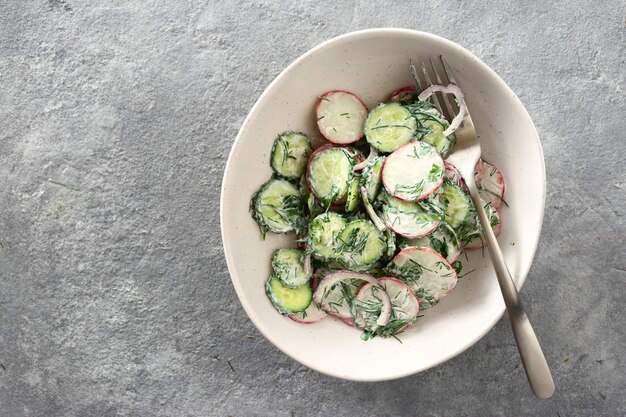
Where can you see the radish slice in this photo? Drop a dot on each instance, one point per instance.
(311, 315)
(490, 184)
(453, 175)
(373, 154)
(341, 116)
(404, 95)
(460, 98)
(443, 240)
(408, 219)
(335, 293)
(428, 273)
(372, 307)
(479, 242)
(404, 304)
(413, 172)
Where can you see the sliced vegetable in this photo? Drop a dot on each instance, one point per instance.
(408, 219)
(290, 154)
(443, 240)
(286, 299)
(360, 245)
(329, 175)
(389, 126)
(335, 293)
(288, 266)
(404, 306)
(278, 207)
(340, 117)
(490, 184)
(430, 276)
(457, 204)
(404, 95)
(380, 225)
(312, 314)
(353, 198)
(372, 308)
(322, 236)
(413, 172)
(478, 241)
(460, 100)
(371, 177)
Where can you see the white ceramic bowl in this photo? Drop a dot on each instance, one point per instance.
(373, 63)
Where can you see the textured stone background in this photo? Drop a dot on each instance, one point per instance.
(116, 120)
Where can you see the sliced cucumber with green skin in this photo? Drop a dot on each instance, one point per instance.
(288, 300)
(278, 207)
(290, 154)
(408, 219)
(390, 126)
(322, 236)
(413, 172)
(329, 175)
(353, 198)
(443, 240)
(434, 124)
(471, 229)
(457, 204)
(340, 116)
(430, 276)
(372, 177)
(288, 265)
(360, 245)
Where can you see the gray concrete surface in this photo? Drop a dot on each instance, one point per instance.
(116, 121)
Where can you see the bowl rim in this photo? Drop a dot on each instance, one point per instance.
(383, 31)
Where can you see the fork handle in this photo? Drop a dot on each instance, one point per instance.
(532, 356)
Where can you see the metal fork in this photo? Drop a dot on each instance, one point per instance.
(464, 156)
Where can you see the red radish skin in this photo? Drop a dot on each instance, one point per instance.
(453, 174)
(383, 280)
(490, 183)
(313, 315)
(401, 93)
(425, 194)
(481, 243)
(385, 314)
(332, 279)
(406, 251)
(397, 231)
(332, 136)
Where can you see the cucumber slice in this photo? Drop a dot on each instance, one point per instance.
(389, 126)
(340, 117)
(290, 154)
(353, 198)
(430, 276)
(322, 236)
(470, 229)
(288, 300)
(408, 219)
(360, 245)
(371, 177)
(278, 207)
(288, 265)
(496, 225)
(443, 240)
(413, 172)
(457, 204)
(433, 126)
(329, 175)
